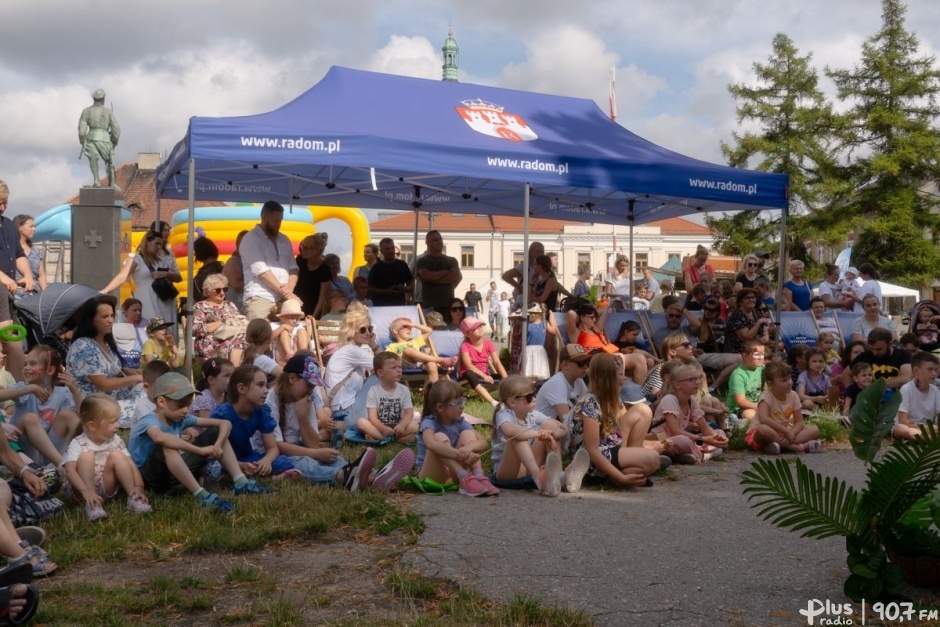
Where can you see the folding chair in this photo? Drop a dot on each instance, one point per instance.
(845, 320)
(382, 318)
(325, 334)
(616, 319)
(798, 327)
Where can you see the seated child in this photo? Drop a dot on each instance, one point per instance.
(920, 398)
(678, 410)
(259, 337)
(150, 373)
(159, 344)
(6, 380)
(410, 348)
(478, 358)
(97, 463)
(336, 304)
(813, 386)
(249, 415)
(45, 403)
(779, 424)
(862, 377)
(925, 328)
(391, 416)
(166, 461)
(361, 289)
(216, 373)
(289, 333)
(796, 357)
(744, 386)
(526, 449)
(448, 448)
(827, 344)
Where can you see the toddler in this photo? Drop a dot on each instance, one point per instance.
(410, 349)
(97, 463)
(925, 328)
(779, 424)
(536, 357)
(159, 344)
(827, 344)
(290, 333)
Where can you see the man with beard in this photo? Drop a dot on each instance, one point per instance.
(268, 264)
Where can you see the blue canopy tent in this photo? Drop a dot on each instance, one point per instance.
(363, 139)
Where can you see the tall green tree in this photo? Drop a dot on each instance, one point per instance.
(792, 122)
(891, 145)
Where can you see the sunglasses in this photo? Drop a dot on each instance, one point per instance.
(696, 379)
(751, 265)
(673, 315)
(685, 345)
(364, 330)
(459, 403)
(456, 308)
(217, 290)
(528, 397)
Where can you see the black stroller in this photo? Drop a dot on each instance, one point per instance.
(48, 315)
(927, 333)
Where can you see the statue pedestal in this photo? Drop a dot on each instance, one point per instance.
(100, 240)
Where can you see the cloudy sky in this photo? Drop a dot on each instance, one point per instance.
(161, 63)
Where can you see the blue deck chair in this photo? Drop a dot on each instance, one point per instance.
(798, 327)
(382, 318)
(845, 320)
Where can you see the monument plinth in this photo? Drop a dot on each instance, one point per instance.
(100, 238)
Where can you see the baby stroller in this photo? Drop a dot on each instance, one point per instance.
(928, 337)
(48, 314)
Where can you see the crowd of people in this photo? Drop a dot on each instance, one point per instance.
(616, 409)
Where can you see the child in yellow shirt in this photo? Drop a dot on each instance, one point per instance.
(159, 345)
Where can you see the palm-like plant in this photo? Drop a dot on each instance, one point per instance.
(896, 501)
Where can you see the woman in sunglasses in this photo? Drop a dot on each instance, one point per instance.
(746, 323)
(456, 312)
(345, 373)
(218, 328)
(749, 275)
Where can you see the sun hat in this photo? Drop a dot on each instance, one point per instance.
(306, 367)
(174, 386)
(155, 324)
(290, 307)
(535, 308)
(469, 324)
(852, 270)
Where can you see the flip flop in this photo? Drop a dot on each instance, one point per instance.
(32, 604)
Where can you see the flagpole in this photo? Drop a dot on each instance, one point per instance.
(612, 104)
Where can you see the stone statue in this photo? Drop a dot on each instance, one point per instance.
(98, 133)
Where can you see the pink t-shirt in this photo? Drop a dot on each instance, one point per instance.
(688, 415)
(782, 411)
(479, 357)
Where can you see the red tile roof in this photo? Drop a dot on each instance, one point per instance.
(495, 224)
(139, 187)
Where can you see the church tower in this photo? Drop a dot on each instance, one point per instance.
(450, 57)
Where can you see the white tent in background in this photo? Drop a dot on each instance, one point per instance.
(889, 290)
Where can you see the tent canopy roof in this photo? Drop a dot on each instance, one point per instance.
(363, 139)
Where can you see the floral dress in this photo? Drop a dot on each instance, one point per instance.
(589, 407)
(85, 358)
(206, 344)
(737, 320)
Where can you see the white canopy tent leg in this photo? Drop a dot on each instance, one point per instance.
(783, 252)
(190, 260)
(525, 277)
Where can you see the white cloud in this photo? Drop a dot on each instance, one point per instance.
(407, 56)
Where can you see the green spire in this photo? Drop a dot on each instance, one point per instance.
(450, 57)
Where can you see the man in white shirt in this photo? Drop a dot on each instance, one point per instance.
(268, 263)
(559, 393)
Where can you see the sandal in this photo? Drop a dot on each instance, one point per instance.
(14, 574)
(40, 563)
(32, 604)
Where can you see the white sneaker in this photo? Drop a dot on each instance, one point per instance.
(718, 452)
(577, 469)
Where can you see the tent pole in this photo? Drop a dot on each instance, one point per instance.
(783, 253)
(631, 219)
(189, 261)
(525, 277)
(157, 216)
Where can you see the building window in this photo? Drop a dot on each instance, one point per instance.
(640, 260)
(516, 258)
(466, 256)
(584, 263)
(407, 253)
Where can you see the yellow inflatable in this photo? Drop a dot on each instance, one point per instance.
(223, 224)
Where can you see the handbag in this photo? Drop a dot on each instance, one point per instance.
(163, 287)
(232, 326)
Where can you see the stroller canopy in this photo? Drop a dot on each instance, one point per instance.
(52, 307)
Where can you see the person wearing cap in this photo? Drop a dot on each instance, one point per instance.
(561, 391)
(479, 359)
(167, 461)
(289, 333)
(436, 321)
(159, 345)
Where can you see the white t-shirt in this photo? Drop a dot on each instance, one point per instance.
(532, 421)
(504, 309)
(81, 444)
(832, 290)
(619, 286)
(291, 431)
(556, 391)
(260, 255)
(919, 406)
(870, 286)
(265, 363)
(348, 358)
(389, 405)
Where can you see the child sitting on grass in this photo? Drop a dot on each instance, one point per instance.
(159, 344)
(862, 376)
(252, 434)
(166, 461)
(779, 424)
(744, 386)
(97, 463)
(813, 386)
(678, 413)
(526, 443)
(448, 448)
(391, 415)
(410, 348)
(150, 373)
(289, 333)
(478, 358)
(216, 373)
(920, 398)
(45, 401)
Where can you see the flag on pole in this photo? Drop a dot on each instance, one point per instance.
(612, 95)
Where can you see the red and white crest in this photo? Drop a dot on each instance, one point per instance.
(490, 119)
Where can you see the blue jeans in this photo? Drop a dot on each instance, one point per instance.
(318, 472)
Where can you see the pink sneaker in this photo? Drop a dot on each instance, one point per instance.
(491, 489)
(471, 486)
(396, 470)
